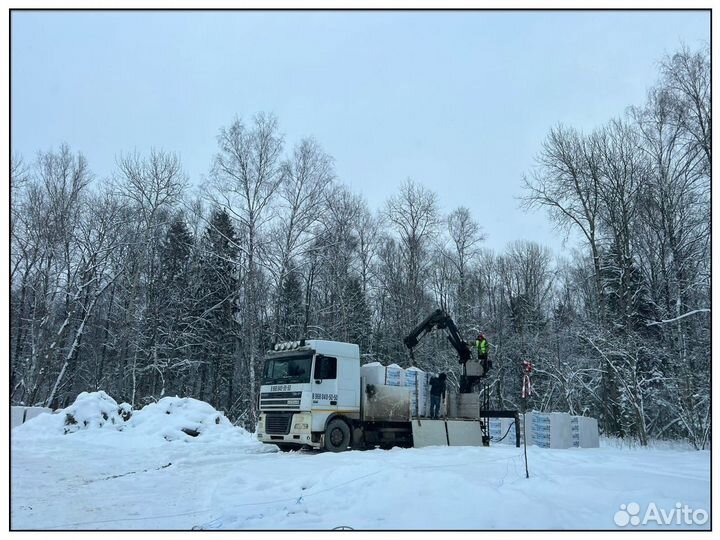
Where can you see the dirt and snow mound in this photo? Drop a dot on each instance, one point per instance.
(94, 410)
(170, 419)
(90, 410)
(177, 418)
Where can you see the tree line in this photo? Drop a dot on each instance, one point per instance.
(143, 287)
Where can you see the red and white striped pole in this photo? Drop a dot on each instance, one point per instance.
(527, 389)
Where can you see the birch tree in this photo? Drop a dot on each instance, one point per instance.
(245, 178)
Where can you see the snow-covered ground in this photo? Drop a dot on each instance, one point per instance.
(146, 473)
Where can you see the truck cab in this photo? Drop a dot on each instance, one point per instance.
(310, 394)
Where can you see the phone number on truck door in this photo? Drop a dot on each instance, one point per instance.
(332, 397)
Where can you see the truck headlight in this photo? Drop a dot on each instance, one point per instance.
(301, 426)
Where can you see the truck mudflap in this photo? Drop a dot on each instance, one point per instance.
(446, 432)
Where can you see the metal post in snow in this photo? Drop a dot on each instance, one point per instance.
(525, 393)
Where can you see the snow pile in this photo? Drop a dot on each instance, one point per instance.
(175, 418)
(90, 410)
(170, 419)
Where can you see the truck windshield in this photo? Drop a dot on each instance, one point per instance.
(294, 369)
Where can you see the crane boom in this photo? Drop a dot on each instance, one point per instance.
(441, 320)
(472, 372)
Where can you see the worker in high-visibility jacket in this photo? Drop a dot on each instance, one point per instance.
(482, 346)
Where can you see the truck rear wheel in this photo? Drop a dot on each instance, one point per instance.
(337, 436)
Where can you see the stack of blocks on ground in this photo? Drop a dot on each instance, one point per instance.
(549, 430)
(20, 415)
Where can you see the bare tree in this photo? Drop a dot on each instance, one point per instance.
(567, 183)
(245, 178)
(49, 265)
(686, 75)
(415, 216)
(151, 186)
(98, 240)
(465, 236)
(305, 181)
(367, 229)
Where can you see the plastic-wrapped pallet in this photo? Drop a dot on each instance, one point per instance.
(584, 432)
(32, 412)
(495, 429)
(17, 415)
(416, 380)
(526, 421)
(575, 431)
(428, 376)
(374, 373)
(411, 381)
(394, 375)
(550, 430)
(507, 430)
(539, 429)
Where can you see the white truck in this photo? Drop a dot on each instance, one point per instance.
(312, 395)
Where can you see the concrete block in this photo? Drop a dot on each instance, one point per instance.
(429, 433)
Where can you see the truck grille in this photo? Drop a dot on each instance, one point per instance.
(278, 423)
(278, 400)
(282, 404)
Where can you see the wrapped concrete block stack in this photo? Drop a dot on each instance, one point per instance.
(551, 430)
(575, 431)
(584, 432)
(394, 375)
(540, 429)
(374, 373)
(502, 427)
(20, 414)
(548, 430)
(417, 380)
(558, 430)
(495, 429)
(17, 416)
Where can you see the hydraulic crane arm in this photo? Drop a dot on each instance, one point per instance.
(441, 320)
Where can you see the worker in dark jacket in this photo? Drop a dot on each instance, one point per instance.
(437, 391)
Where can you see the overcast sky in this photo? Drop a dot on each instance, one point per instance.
(458, 101)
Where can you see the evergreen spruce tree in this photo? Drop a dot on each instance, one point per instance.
(215, 308)
(175, 252)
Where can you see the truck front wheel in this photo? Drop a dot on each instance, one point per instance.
(337, 436)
